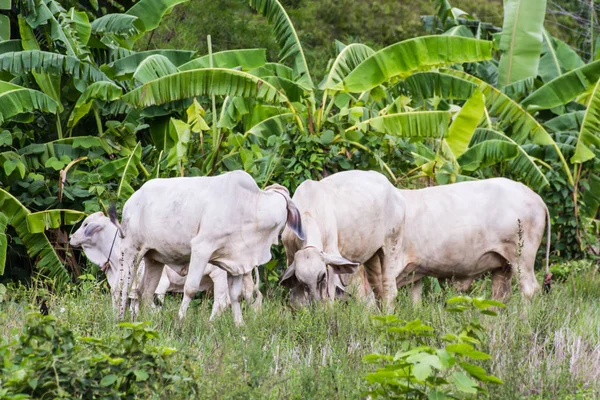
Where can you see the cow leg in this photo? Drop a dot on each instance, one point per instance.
(416, 291)
(150, 280)
(501, 283)
(526, 274)
(390, 288)
(247, 287)
(374, 276)
(235, 293)
(463, 284)
(129, 260)
(198, 261)
(220, 293)
(162, 288)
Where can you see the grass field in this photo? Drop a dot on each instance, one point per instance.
(547, 349)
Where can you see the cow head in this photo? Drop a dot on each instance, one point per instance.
(309, 269)
(95, 236)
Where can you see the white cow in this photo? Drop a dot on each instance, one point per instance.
(99, 240)
(462, 230)
(350, 218)
(355, 285)
(226, 220)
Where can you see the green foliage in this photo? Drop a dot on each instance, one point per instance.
(415, 368)
(48, 359)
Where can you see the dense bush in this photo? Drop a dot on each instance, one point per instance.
(48, 360)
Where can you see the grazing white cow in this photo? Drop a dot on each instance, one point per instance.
(355, 285)
(350, 218)
(226, 220)
(99, 240)
(464, 229)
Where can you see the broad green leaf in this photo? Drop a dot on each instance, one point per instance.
(459, 30)
(348, 59)
(465, 123)
(274, 69)
(425, 85)
(195, 114)
(293, 91)
(105, 91)
(519, 89)
(248, 59)
(7, 46)
(21, 62)
(523, 165)
(81, 24)
(38, 246)
(286, 37)
(523, 127)
(271, 126)
(564, 88)
(403, 58)
(117, 24)
(557, 58)
(464, 383)
(15, 100)
(521, 40)
(566, 122)
(4, 27)
(154, 67)
(487, 153)
(180, 133)
(128, 65)
(38, 222)
(149, 13)
(5, 138)
(198, 82)
(108, 380)
(589, 136)
(414, 124)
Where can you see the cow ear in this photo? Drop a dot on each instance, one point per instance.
(91, 229)
(289, 279)
(339, 264)
(341, 293)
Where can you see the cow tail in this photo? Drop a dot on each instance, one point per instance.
(112, 214)
(548, 277)
(294, 219)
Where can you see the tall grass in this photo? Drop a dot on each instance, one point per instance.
(547, 348)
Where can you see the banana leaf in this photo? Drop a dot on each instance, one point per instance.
(38, 222)
(521, 40)
(404, 58)
(15, 100)
(198, 82)
(247, 59)
(37, 244)
(286, 37)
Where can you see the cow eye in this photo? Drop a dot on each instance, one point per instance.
(85, 224)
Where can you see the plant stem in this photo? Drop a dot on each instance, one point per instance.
(98, 121)
(214, 104)
(58, 126)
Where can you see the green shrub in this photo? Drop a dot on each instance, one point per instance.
(417, 367)
(48, 360)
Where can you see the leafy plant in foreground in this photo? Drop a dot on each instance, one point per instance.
(48, 360)
(416, 368)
